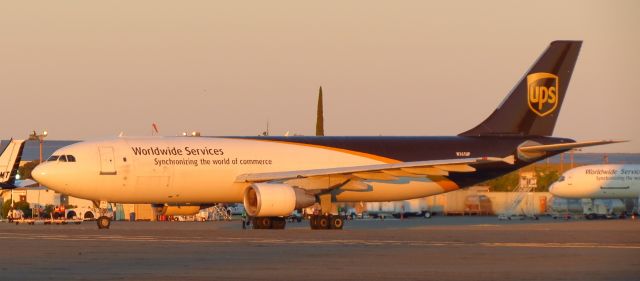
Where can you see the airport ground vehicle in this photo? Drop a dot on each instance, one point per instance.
(82, 213)
(397, 209)
(478, 205)
(603, 208)
(295, 216)
(587, 208)
(236, 209)
(15, 214)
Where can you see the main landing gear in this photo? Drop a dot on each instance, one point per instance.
(326, 222)
(268, 222)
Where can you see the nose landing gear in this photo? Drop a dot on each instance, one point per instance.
(103, 222)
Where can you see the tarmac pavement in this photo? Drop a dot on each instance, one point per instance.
(441, 248)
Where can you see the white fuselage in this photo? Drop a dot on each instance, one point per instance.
(204, 170)
(599, 181)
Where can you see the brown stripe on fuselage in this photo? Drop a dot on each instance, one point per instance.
(352, 152)
(446, 184)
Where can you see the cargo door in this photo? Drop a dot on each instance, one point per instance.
(107, 161)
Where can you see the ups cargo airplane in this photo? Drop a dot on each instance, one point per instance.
(273, 176)
(608, 181)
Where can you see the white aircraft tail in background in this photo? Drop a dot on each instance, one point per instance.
(9, 162)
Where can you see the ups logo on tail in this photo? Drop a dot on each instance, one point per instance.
(542, 92)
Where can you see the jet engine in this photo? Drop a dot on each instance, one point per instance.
(274, 200)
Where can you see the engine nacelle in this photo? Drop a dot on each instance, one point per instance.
(275, 200)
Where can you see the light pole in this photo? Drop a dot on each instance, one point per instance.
(573, 151)
(40, 138)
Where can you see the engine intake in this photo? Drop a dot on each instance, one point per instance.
(275, 200)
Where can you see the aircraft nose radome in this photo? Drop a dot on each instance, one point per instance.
(40, 174)
(557, 190)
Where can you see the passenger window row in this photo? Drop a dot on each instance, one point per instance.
(62, 158)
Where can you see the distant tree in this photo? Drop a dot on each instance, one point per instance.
(25, 170)
(24, 207)
(20, 205)
(545, 177)
(320, 116)
(506, 182)
(5, 208)
(48, 209)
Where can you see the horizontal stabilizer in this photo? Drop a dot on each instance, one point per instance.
(564, 146)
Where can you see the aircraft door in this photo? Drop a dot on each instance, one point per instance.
(107, 161)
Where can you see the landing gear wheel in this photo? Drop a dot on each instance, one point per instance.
(313, 222)
(323, 222)
(103, 222)
(427, 215)
(326, 222)
(262, 223)
(278, 223)
(336, 222)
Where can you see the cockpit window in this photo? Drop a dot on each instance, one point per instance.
(63, 158)
(71, 158)
(53, 158)
(561, 179)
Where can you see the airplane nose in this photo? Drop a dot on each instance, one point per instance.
(50, 176)
(556, 190)
(41, 174)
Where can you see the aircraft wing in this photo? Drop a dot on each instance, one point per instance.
(564, 146)
(381, 171)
